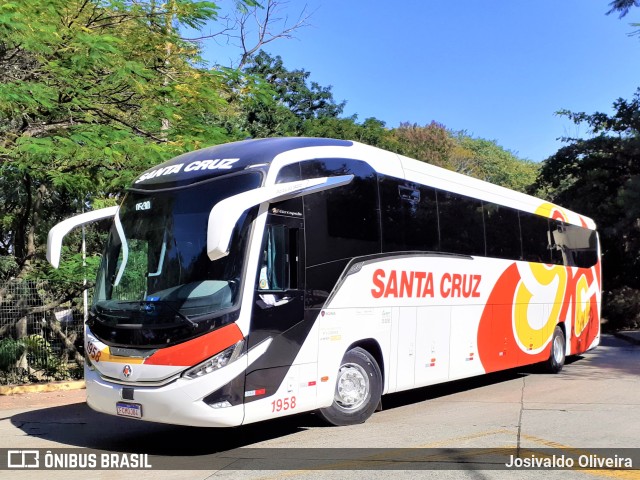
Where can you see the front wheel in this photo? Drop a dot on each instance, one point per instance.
(358, 389)
(557, 355)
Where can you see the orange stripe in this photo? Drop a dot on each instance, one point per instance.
(194, 351)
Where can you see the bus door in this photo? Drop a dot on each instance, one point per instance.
(278, 315)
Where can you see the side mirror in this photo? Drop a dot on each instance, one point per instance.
(225, 214)
(58, 232)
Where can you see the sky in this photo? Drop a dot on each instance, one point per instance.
(497, 69)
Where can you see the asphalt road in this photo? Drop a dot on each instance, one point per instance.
(593, 403)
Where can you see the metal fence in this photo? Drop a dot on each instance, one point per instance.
(40, 339)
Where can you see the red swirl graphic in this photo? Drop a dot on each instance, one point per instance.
(497, 345)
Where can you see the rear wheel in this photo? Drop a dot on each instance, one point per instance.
(358, 389)
(557, 355)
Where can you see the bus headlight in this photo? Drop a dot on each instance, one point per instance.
(216, 362)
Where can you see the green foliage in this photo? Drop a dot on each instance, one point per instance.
(285, 102)
(493, 163)
(73, 275)
(40, 359)
(372, 131)
(8, 268)
(288, 101)
(477, 157)
(10, 352)
(622, 308)
(432, 143)
(93, 92)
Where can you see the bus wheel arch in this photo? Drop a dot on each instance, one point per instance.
(373, 348)
(358, 389)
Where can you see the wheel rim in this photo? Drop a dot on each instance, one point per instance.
(558, 350)
(352, 387)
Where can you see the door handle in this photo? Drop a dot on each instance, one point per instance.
(271, 300)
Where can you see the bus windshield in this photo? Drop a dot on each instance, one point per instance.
(155, 272)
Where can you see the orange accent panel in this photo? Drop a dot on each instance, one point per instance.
(192, 352)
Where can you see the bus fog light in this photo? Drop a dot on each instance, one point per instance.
(224, 404)
(216, 362)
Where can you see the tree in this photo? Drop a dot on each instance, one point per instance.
(252, 25)
(371, 131)
(92, 92)
(269, 23)
(432, 143)
(486, 160)
(476, 157)
(291, 100)
(622, 7)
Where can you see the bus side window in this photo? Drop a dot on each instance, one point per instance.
(578, 245)
(409, 216)
(559, 254)
(279, 261)
(274, 259)
(535, 238)
(461, 224)
(502, 231)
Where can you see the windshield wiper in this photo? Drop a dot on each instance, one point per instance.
(177, 312)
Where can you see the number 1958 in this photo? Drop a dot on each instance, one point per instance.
(283, 404)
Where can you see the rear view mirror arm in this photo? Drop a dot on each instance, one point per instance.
(225, 214)
(60, 230)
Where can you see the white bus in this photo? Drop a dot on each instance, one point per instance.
(264, 278)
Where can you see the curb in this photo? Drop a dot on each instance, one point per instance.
(41, 387)
(627, 338)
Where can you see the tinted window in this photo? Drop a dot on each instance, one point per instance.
(461, 224)
(558, 256)
(535, 238)
(409, 216)
(320, 282)
(576, 245)
(342, 222)
(273, 264)
(502, 232)
(289, 173)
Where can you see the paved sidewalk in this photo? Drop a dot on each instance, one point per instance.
(26, 401)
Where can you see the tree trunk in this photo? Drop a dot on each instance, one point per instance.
(70, 348)
(21, 332)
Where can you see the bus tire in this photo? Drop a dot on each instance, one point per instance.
(358, 390)
(557, 355)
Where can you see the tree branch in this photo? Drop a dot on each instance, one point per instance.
(270, 26)
(36, 130)
(128, 125)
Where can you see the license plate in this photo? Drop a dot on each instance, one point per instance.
(133, 410)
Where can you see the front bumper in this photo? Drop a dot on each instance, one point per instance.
(178, 402)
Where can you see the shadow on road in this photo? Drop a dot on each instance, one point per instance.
(410, 397)
(78, 426)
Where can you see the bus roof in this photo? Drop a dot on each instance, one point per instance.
(193, 167)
